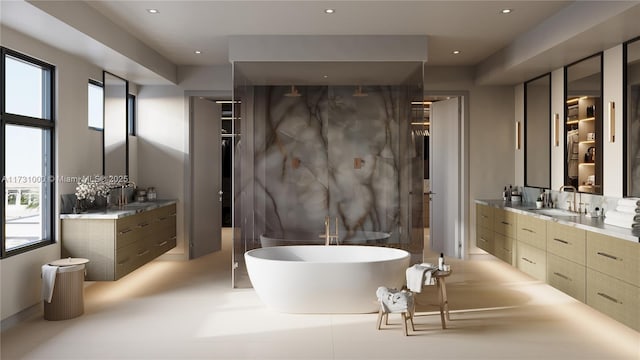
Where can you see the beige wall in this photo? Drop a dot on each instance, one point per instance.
(20, 274)
(163, 145)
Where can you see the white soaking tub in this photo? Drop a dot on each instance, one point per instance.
(325, 279)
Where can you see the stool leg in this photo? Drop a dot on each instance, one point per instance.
(380, 315)
(404, 324)
(440, 296)
(445, 300)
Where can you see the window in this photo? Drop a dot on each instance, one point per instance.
(27, 129)
(131, 114)
(96, 105)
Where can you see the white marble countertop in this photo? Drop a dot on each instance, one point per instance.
(581, 221)
(119, 212)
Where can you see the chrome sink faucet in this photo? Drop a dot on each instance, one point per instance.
(327, 231)
(575, 191)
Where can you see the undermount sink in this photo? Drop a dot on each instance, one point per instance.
(556, 212)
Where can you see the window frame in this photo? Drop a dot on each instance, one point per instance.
(131, 115)
(47, 124)
(100, 85)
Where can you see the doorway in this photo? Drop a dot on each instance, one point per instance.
(445, 186)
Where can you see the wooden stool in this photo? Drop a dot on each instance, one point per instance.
(407, 317)
(442, 295)
(394, 301)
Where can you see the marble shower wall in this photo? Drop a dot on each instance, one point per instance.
(328, 152)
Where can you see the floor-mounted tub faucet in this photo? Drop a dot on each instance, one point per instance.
(327, 231)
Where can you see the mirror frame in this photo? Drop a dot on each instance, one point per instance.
(598, 127)
(526, 134)
(107, 118)
(626, 106)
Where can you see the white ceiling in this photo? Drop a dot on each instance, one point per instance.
(538, 36)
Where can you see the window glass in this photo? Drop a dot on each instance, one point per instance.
(26, 83)
(25, 180)
(96, 106)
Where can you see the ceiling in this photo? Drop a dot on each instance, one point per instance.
(504, 48)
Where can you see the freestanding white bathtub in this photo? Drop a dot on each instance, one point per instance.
(325, 279)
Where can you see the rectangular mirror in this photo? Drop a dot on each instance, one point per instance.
(537, 132)
(632, 119)
(583, 125)
(115, 140)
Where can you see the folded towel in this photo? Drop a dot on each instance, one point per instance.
(48, 281)
(420, 274)
(625, 223)
(635, 202)
(628, 209)
(394, 301)
(627, 217)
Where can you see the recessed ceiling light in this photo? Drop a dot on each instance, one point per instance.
(455, 52)
(153, 11)
(506, 11)
(198, 52)
(329, 11)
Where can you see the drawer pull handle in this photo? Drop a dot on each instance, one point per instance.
(529, 230)
(123, 261)
(561, 241)
(162, 218)
(174, 237)
(143, 225)
(610, 298)
(483, 239)
(562, 276)
(485, 216)
(172, 214)
(125, 231)
(608, 256)
(529, 261)
(505, 223)
(162, 243)
(143, 253)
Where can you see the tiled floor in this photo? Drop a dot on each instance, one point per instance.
(181, 310)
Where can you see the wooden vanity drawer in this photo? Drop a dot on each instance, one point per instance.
(616, 257)
(503, 248)
(531, 260)
(504, 222)
(484, 215)
(484, 239)
(613, 297)
(567, 276)
(567, 242)
(532, 231)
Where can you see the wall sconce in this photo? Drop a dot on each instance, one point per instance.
(556, 129)
(518, 135)
(357, 163)
(612, 121)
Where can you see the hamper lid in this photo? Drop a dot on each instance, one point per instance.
(69, 262)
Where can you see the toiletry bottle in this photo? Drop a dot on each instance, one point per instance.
(441, 262)
(505, 195)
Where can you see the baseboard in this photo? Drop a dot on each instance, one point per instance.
(23, 315)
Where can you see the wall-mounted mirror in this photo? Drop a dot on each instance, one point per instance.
(116, 159)
(583, 125)
(632, 121)
(537, 132)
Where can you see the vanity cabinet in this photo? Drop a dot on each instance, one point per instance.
(566, 254)
(484, 228)
(116, 247)
(613, 278)
(531, 235)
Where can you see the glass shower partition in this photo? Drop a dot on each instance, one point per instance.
(338, 149)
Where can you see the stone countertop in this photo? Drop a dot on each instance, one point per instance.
(119, 212)
(583, 221)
